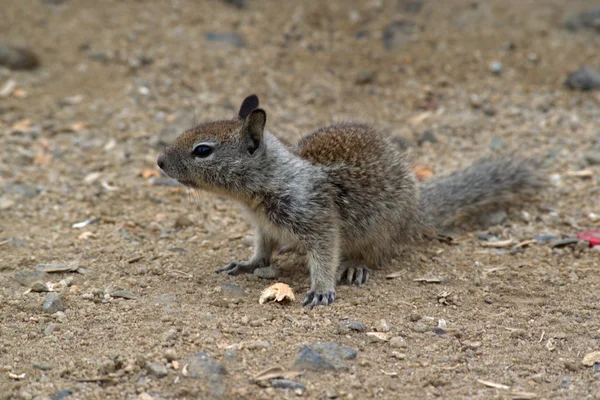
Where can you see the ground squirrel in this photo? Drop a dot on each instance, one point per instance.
(344, 194)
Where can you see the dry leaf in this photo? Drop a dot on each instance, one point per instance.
(278, 292)
(148, 173)
(269, 373)
(86, 235)
(423, 172)
(175, 364)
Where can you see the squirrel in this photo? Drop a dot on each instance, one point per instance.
(345, 194)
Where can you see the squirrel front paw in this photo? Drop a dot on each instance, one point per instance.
(319, 298)
(242, 267)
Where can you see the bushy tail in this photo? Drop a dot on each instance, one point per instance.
(487, 183)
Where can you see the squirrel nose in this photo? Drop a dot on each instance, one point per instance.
(161, 160)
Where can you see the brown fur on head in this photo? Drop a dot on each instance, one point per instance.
(218, 155)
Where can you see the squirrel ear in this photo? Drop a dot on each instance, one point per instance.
(249, 104)
(254, 127)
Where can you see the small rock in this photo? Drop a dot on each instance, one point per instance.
(230, 38)
(493, 218)
(232, 291)
(270, 272)
(331, 393)
(53, 304)
(345, 327)
(398, 33)
(589, 19)
(182, 222)
(308, 360)
(592, 158)
(467, 344)
(564, 242)
(124, 294)
(591, 358)
(157, 370)
(427, 136)
(201, 365)
(16, 58)
(496, 68)
(28, 278)
(170, 354)
(39, 287)
(398, 342)
(398, 356)
(365, 77)
(42, 366)
(420, 327)
(287, 384)
(63, 394)
(377, 337)
(236, 3)
(170, 335)
(257, 345)
(334, 352)
(545, 238)
(382, 326)
(585, 78)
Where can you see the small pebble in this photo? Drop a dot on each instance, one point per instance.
(287, 384)
(398, 342)
(496, 68)
(382, 326)
(53, 304)
(124, 294)
(156, 370)
(563, 242)
(345, 327)
(585, 78)
(39, 287)
(427, 136)
(365, 77)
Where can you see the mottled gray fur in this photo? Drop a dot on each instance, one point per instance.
(345, 194)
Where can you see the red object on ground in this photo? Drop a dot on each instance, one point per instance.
(592, 236)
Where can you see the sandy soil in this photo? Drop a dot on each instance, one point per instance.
(120, 79)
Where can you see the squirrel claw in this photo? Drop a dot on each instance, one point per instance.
(356, 275)
(236, 268)
(314, 298)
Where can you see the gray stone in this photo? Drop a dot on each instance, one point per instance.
(564, 242)
(157, 370)
(124, 294)
(592, 158)
(545, 238)
(585, 78)
(410, 6)
(345, 327)
(236, 3)
(496, 68)
(53, 304)
(63, 394)
(398, 33)
(270, 272)
(364, 77)
(308, 360)
(201, 365)
(333, 351)
(427, 136)
(589, 19)
(39, 287)
(22, 189)
(27, 278)
(497, 143)
(233, 291)
(42, 366)
(16, 58)
(228, 38)
(398, 342)
(287, 384)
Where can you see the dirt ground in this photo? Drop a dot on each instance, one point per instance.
(119, 80)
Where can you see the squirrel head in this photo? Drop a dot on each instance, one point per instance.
(221, 155)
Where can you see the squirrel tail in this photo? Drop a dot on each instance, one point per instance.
(487, 183)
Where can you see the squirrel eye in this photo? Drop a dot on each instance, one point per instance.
(202, 151)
